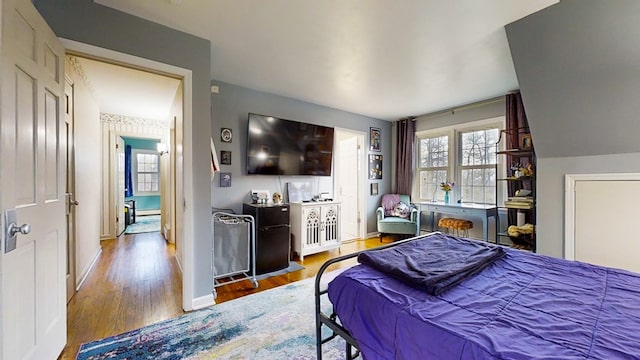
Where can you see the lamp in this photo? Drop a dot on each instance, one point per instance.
(163, 148)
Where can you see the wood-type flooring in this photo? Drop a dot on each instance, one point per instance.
(136, 282)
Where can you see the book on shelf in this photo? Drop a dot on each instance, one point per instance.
(525, 199)
(518, 204)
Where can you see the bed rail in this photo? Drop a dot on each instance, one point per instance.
(331, 321)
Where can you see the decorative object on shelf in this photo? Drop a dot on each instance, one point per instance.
(225, 157)
(225, 179)
(447, 186)
(525, 142)
(374, 139)
(226, 135)
(260, 196)
(375, 167)
(374, 188)
(277, 198)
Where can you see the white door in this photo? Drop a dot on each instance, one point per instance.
(348, 186)
(603, 212)
(32, 186)
(120, 185)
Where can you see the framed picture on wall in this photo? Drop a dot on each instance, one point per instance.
(226, 135)
(375, 167)
(374, 139)
(225, 179)
(374, 188)
(225, 157)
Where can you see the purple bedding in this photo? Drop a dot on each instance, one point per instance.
(435, 265)
(523, 306)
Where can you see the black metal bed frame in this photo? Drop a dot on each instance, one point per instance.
(331, 321)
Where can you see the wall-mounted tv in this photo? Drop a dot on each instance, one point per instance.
(284, 147)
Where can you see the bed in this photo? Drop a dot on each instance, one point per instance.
(518, 306)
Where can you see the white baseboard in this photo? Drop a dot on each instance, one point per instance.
(202, 302)
(88, 269)
(147, 212)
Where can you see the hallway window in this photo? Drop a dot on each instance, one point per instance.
(147, 168)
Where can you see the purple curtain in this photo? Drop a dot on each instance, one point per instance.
(404, 156)
(128, 180)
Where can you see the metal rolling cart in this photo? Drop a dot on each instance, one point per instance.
(233, 249)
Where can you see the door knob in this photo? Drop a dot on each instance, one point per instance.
(14, 229)
(74, 202)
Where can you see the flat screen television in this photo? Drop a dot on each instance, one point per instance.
(284, 147)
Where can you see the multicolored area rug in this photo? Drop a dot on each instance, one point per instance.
(274, 324)
(143, 224)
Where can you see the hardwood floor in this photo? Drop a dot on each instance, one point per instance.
(136, 282)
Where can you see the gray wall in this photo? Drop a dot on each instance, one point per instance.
(491, 109)
(579, 74)
(230, 110)
(90, 23)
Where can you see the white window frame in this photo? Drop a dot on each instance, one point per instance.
(454, 171)
(134, 171)
(436, 195)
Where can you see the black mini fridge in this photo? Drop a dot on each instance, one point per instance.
(272, 235)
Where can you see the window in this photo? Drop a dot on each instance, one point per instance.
(477, 165)
(465, 155)
(433, 166)
(147, 176)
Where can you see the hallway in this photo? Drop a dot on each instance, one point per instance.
(135, 282)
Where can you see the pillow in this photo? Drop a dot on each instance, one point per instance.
(401, 210)
(389, 203)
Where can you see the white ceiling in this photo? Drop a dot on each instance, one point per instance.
(129, 92)
(380, 58)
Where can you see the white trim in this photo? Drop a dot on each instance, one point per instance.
(88, 270)
(570, 181)
(202, 302)
(184, 194)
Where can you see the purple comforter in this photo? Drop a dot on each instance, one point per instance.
(435, 265)
(523, 306)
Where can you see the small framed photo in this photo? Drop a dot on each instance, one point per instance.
(374, 139)
(225, 179)
(225, 157)
(525, 142)
(226, 135)
(374, 188)
(375, 167)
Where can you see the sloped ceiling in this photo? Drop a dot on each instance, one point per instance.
(379, 58)
(578, 65)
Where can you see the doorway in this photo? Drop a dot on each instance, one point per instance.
(173, 135)
(349, 165)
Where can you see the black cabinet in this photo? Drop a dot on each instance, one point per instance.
(272, 236)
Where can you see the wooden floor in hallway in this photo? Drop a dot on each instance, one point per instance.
(137, 282)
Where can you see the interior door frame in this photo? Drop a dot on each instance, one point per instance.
(184, 188)
(570, 181)
(70, 195)
(113, 136)
(362, 185)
